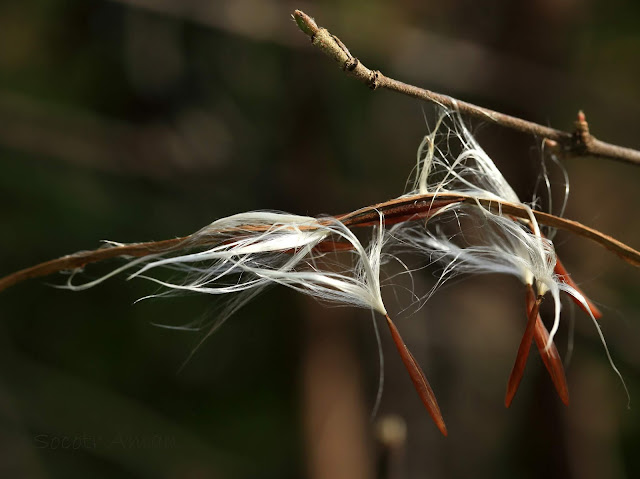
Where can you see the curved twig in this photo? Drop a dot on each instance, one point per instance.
(401, 209)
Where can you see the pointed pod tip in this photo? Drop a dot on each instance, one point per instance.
(437, 418)
(508, 399)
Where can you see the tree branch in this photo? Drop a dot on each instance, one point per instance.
(397, 210)
(578, 143)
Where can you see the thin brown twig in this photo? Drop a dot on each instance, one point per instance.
(399, 209)
(578, 143)
(419, 203)
(82, 258)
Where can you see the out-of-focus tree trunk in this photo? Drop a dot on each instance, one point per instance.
(334, 414)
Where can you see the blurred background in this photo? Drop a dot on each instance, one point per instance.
(137, 120)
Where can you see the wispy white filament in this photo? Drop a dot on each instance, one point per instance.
(485, 243)
(500, 244)
(450, 159)
(249, 251)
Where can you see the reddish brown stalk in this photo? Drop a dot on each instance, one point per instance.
(397, 214)
(82, 258)
(333, 246)
(550, 357)
(410, 207)
(423, 202)
(564, 275)
(418, 378)
(523, 353)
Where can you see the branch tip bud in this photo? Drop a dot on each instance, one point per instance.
(305, 23)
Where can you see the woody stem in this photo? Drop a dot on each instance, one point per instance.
(577, 143)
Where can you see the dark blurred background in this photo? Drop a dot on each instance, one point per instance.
(136, 120)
